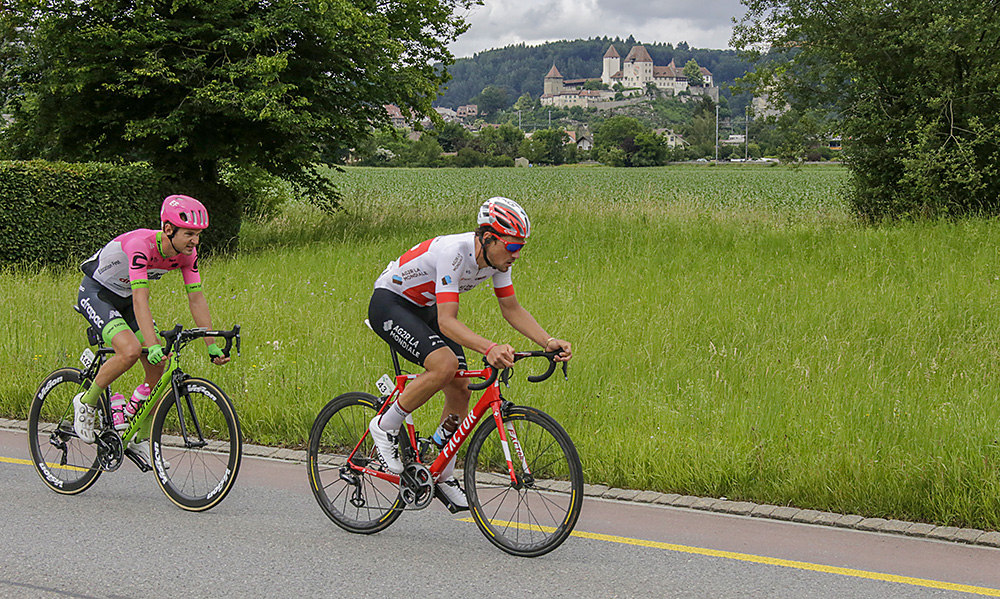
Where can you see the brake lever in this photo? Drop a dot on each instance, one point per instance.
(505, 377)
(565, 367)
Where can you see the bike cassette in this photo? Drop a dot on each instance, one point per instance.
(416, 486)
(110, 450)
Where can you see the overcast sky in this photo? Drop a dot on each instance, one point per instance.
(499, 23)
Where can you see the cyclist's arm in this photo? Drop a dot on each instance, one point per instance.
(454, 329)
(144, 316)
(523, 322)
(202, 317)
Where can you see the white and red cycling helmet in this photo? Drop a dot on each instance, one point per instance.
(184, 212)
(505, 217)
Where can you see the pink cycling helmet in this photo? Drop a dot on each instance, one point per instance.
(184, 212)
(505, 217)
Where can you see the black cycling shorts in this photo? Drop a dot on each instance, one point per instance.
(409, 329)
(105, 310)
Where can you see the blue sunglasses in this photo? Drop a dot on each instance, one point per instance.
(511, 247)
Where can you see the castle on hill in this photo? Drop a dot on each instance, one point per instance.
(636, 73)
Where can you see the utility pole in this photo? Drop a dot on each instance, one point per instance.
(746, 134)
(716, 132)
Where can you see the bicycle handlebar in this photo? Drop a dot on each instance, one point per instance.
(537, 378)
(178, 336)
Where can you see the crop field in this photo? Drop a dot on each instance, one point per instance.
(736, 333)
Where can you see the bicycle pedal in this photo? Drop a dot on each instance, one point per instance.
(138, 459)
(448, 503)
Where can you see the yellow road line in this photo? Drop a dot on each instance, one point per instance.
(50, 464)
(771, 561)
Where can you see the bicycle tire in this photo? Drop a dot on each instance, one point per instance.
(532, 518)
(336, 431)
(203, 470)
(64, 462)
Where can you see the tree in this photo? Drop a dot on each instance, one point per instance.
(912, 89)
(545, 146)
(493, 99)
(525, 102)
(504, 140)
(452, 136)
(188, 84)
(624, 141)
(693, 73)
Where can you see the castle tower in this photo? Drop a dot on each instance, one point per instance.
(553, 82)
(612, 64)
(638, 67)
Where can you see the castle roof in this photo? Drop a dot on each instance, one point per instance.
(638, 54)
(611, 53)
(553, 73)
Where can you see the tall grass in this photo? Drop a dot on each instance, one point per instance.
(735, 333)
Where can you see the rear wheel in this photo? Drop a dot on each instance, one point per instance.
(196, 445)
(65, 463)
(535, 513)
(355, 501)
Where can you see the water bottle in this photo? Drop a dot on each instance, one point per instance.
(118, 419)
(445, 430)
(139, 397)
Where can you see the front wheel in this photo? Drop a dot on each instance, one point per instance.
(536, 511)
(65, 463)
(196, 445)
(355, 501)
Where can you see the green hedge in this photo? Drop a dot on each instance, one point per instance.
(60, 213)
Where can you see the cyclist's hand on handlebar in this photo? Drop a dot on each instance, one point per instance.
(501, 356)
(216, 355)
(155, 354)
(560, 344)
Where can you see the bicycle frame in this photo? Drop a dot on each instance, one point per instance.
(171, 378)
(490, 400)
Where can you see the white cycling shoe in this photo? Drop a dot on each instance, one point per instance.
(387, 445)
(142, 448)
(83, 419)
(452, 495)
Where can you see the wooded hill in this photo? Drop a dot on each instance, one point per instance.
(521, 69)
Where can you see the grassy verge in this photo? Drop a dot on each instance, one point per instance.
(735, 333)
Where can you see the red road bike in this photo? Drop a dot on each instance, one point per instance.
(523, 477)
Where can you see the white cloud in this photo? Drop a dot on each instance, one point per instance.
(499, 23)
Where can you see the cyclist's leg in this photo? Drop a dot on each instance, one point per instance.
(411, 331)
(107, 313)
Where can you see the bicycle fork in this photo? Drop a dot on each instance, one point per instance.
(508, 438)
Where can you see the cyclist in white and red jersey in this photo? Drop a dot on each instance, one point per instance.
(114, 298)
(414, 308)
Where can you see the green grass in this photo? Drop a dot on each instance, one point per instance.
(735, 332)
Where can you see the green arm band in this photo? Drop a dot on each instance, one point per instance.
(193, 287)
(140, 283)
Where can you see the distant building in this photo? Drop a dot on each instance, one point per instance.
(469, 111)
(396, 116)
(637, 71)
(673, 139)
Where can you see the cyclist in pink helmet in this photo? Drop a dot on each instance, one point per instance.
(414, 308)
(114, 298)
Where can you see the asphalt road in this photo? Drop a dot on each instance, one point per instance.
(123, 538)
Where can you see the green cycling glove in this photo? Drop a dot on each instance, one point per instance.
(155, 354)
(214, 351)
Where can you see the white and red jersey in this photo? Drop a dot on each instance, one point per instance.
(133, 259)
(439, 269)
